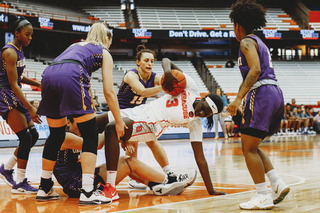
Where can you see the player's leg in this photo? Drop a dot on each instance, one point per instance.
(160, 155)
(18, 123)
(112, 152)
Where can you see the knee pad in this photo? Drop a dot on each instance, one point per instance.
(89, 133)
(53, 143)
(25, 140)
(35, 135)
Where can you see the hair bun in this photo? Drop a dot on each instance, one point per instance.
(140, 47)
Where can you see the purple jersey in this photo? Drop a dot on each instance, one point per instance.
(267, 71)
(21, 64)
(128, 98)
(89, 55)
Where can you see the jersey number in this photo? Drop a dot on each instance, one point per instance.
(137, 100)
(172, 103)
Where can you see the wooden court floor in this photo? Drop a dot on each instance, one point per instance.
(296, 158)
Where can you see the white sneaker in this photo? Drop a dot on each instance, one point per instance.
(279, 192)
(43, 196)
(95, 197)
(188, 178)
(133, 184)
(168, 189)
(258, 201)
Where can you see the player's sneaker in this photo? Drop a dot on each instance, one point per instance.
(258, 202)
(6, 175)
(188, 178)
(95, 197)
(110, 192)
(133, 184)
(168, 189)
(23, 188)
(279, 192)
(43, 196)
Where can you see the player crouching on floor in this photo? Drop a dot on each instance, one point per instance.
(67, 170)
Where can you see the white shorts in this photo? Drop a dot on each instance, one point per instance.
(143, 129)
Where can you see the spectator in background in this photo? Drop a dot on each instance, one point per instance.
(229, 125)
(309, 113)
(316, 124)
(304, 119)
(96, 104)
(35, 103)
(230, 64)
(293, 104)
(220, 116)
(296, 124)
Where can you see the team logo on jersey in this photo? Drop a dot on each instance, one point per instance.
(191, 114)
(184, 105)
(139, 129)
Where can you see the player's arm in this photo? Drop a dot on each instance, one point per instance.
(10, 57)
(249, 48)
(169, 79)
(168, 65)
(195, 129)
(109, 93)
(132, 79)
(29, 81)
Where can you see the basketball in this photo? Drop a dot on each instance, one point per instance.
(178, 87)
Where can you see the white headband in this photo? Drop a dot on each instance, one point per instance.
(212, 105)
(22, 23)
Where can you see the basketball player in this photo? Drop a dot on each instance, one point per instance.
(14, 107)
(147, 122)
(137, 85)
(66, 91)
(264, 104)
(67, 170)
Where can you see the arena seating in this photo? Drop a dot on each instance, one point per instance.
(46, 11)
(299, 80)
(202, 18)
(111, 14)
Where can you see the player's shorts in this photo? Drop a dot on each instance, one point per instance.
(65, 91)
(264, 109)
(144, 127)
(9, 101)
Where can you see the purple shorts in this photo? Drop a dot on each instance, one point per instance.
(264, 109)
(9, 101)
(65, 91)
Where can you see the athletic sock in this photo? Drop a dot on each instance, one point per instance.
(46, 174)
(87, 182)
(262, 188)
(11, 162)
(21, 173)
(167, 169)
(111, 177)
(273, 177)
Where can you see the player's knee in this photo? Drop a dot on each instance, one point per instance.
(25, 140)
(53, 143)
(35, 135)
(89, 133)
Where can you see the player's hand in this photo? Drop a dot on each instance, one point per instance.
(169, 81)
(34, 116)
(127, 146)
(120, 129)
(232, 107)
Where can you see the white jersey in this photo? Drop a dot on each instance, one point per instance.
(168, 111)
